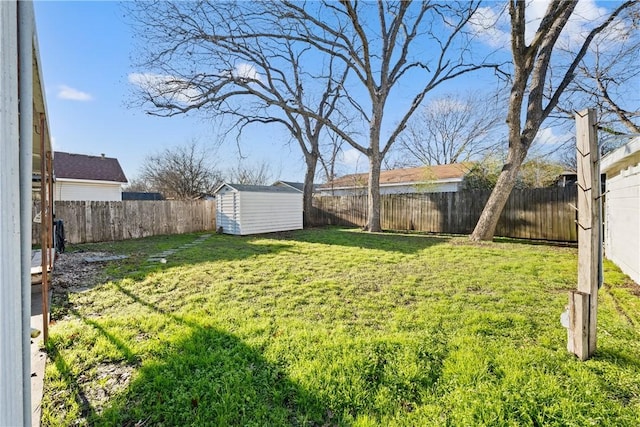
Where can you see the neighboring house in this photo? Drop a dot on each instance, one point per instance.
(423, 179)
(253, 209)
(622, 207)
(82, 177)
(141, 195)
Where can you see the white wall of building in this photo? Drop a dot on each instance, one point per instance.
(102, 191)
(622, 208)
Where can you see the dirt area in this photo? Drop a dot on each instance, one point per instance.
(73, 274)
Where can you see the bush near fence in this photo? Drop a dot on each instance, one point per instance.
(86, 222)
(540, 213)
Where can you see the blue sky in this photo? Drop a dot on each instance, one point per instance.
(86, 49)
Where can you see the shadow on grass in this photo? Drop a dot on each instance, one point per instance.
(354, 237)
(216, 248)
(210, 377)
(204, 376)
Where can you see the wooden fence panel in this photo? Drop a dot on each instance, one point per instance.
(107, 221)
(541, 213)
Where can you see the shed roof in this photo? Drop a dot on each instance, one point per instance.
(81, 166)
(297, 185)
(454, 171)
(257, 188)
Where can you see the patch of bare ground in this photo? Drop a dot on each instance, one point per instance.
(72, 273)
(106, 381)
(633, 288)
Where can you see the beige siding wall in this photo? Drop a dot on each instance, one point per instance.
(87, 191)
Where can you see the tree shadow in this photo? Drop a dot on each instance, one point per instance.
(146, 256)
(350, 237)
(207, 376)
(210, 377)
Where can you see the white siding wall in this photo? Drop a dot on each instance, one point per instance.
(270, 212)
(74, 190)
(622, 222)
(227, 207)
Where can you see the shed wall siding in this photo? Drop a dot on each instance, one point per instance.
(623, 220)
(73, 191)
(270, 212)
(227, 212)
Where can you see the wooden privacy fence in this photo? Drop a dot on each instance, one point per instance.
(541, 213)
(106, 221)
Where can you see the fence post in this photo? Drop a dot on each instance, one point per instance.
(583, 304)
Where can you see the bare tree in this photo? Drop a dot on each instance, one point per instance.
(528, 104)
(182, 172)
(608, 77)
(385, 45)
(258, 174)
(451, 129)
(235, 59)
(139, 185)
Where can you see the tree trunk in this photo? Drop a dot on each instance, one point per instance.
(374, 193)
(311, 160)
(486, 226)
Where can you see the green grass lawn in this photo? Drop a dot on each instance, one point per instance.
(328, 327)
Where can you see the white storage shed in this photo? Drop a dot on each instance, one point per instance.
(622, 207)
(254, 209)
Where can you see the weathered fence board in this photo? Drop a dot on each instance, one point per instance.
(106, 221)
(540, 213)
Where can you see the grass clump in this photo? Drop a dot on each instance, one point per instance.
(340, 327)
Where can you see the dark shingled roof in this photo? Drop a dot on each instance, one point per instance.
(297, 185)
(258, 188)
(80, 166)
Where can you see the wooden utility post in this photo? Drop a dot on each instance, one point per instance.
(583, 303)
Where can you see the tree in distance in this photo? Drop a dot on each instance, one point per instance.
(454, 128)
(183, 172)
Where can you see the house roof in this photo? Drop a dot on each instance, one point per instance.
(454, 171)
(257, 188)
(81, 166)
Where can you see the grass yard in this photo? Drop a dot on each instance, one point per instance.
(327, 327)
